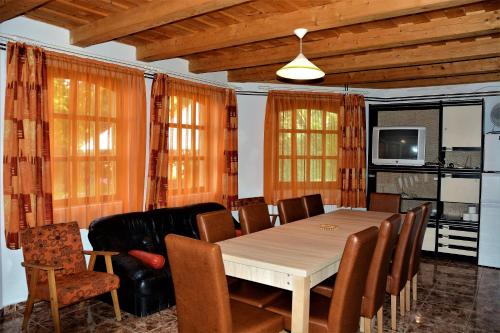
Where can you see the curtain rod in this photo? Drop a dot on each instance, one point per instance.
(149, 71)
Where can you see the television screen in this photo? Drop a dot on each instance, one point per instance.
(398, 144)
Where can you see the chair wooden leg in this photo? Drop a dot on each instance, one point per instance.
(407, 295)
(116, 305)
(29, 303)
(402, 302)
(380, 320)
(54, 305)
(368, 325)
(394, 301)
(414, 282)
(361, 324)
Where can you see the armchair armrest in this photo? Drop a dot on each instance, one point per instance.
(107, 259)
(40, 266)
(101, 253)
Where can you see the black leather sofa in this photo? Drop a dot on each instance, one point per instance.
(143, 290)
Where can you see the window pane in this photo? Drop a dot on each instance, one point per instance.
(107, 181)
(316, 119)
(286, 119)
(285, 166)
(197, 121)
(85, 179)
(107, 103)
(61, 96)
(316, 144)
(61, 137)
(202, 171)
(172, 138)
(107, 138)
(61, 184)
(301, 118)
(315, 171)
(173, 109)
(330, 170)
(85, 137)
(85, 98)
(173, 174)
(301, 143)
(186, 111)
(301, 170)
(331, 121)
(186, 139)
(285, 144)
(331, 145)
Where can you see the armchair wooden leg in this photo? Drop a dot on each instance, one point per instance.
(29, 303)
(408, 295)
(116, 305)
(368, 325)
(394, 313)
(380, 320)
(414, 282)
(402, 302)
(54, 305)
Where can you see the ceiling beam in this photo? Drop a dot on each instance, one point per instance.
(474, 78)
(457, 50)
(143, 17)
(13, 8)
(466, 67)
(475, 24)
(336, 14)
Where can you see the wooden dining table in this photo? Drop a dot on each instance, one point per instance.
(296, 256)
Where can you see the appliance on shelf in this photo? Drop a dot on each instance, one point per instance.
(398, 146)
(489, 245)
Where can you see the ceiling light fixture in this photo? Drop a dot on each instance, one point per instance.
(300, 69)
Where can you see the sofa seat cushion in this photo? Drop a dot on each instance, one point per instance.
(72, 288)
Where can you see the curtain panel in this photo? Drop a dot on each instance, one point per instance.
(26, 156)
(352, 151)
(193, 144)
(98, 138)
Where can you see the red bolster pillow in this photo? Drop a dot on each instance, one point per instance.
(152, 260)
(238, 232)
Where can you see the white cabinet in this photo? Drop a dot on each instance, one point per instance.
(456, 189)
(462, 126)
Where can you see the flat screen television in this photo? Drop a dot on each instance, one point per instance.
(398, 146)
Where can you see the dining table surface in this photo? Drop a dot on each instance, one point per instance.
(296, 256)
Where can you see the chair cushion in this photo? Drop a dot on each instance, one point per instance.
(72, 288)
(249, 319)
(252, 293)
(152, 260)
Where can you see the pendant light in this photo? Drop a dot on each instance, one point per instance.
(300, 69)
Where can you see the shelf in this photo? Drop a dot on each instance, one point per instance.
(406, 168)
(461, 149)
(419, 199)
(459, 171)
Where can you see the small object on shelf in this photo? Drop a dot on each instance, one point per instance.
(466, 217)
(474, 217)
(329, 227)
(472, 210)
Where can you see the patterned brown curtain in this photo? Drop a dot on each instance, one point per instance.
(352, 151)
(158, 145)
(26, 160)
(230, 182)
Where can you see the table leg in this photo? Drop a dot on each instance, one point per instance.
(300, 304)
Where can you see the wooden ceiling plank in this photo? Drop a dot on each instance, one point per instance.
(143, 17)
(397, 57)
(15, 8)
(466, 67)
(339, 13)
(445, 29)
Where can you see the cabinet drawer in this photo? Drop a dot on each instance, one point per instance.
(464, 190)
(462, 126)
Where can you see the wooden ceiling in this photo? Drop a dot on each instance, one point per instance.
(362, 43)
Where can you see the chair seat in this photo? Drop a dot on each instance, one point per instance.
(72, 288)
(249, 319)
(325, 288)
(318, 311)
(252, 293)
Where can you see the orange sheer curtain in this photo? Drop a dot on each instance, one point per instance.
(301, 145)
(196, 143)
(97, 119)
(352, 151)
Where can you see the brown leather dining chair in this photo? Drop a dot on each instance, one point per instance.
(291, 210)
(385, 202)
(202, 297)
(218, 226)
(313, 205)
(373, 297)
(340, 313)
(398, 273)
(414, 267)
(254, 218)
(242, 202)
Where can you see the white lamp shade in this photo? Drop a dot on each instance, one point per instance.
(300, 69)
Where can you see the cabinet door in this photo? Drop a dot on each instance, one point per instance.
(462, 126)
(464, 190)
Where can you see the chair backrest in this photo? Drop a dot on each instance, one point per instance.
(373, 297)
(249, 201)
(385, 202)
(200, 285)
(215, 226)
(313, 204)
(56, 244)
(417, 244)
(291, 210)
(400, 262)
(345, 306)
(254, 218)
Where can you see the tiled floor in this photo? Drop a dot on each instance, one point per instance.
(453, 297)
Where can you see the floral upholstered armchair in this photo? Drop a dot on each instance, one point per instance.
(56, 270)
